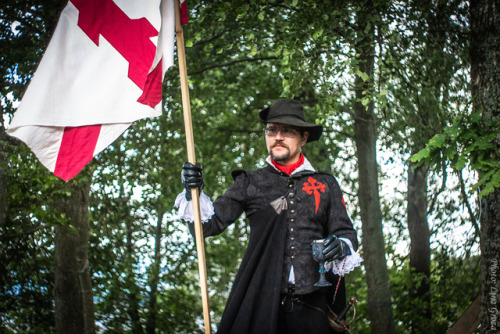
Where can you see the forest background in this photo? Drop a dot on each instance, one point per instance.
(388, 80)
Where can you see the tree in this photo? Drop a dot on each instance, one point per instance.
(485, 57)
(379, 295)
(74, 311)
(472, 140)
(25, 22)
(424, 76)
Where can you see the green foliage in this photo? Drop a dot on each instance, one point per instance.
(241, 55)
(26, 230)
(26, 286)
(454, 285)
(468, 141)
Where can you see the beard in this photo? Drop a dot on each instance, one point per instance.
(280, 158)
(283, 156)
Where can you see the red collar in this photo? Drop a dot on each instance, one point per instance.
(290, 168)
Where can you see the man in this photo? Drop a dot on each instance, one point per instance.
(289, 205)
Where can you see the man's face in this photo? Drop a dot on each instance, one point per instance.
(284, 143)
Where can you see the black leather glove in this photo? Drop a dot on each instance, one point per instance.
(335, 249)
(191, 177)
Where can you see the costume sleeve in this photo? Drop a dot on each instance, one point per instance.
(185, 207)
(340, 225)
(346, 265)
(225, 210)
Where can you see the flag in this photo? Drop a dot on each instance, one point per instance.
(184, 12)
(102, 70)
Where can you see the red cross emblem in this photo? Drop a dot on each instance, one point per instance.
(130, 37)
(314, 187)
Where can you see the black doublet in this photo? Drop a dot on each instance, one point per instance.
(314, 209)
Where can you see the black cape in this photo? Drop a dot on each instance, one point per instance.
(254, 300)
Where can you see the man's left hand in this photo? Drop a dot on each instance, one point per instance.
(335, 249)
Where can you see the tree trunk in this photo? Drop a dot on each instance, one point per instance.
(155, 276)
(133, 295)
(379, 295)
(420, 262)
(73, 289)
(490, 248)
(3, 174)
(485, 84)
(431, 99)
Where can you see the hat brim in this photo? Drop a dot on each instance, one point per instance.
(314, 130)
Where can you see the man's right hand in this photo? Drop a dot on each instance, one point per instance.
(192, 177)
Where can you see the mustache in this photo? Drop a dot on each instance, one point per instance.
(280, 144)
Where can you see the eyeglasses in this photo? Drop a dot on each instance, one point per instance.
(285, 132)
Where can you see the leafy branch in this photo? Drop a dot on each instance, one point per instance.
(470, 140)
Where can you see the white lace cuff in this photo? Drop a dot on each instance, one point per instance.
(186, 207)
(346, 265)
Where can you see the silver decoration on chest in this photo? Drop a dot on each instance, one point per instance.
(279, 204)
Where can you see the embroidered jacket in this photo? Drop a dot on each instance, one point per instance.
(312, 207)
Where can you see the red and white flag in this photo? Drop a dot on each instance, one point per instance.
(102, 70)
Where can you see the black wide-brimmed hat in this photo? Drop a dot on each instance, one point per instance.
(290, 112)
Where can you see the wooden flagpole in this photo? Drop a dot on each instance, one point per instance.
(195, 195)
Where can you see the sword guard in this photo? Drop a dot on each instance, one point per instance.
(337, 322)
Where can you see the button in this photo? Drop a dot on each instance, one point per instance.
(292, 211)
(291, 194)
(292, 202)
(292, 238)
(293, 247)
(291, 230)
(293, 256)
(290, 185)
(292, 219)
